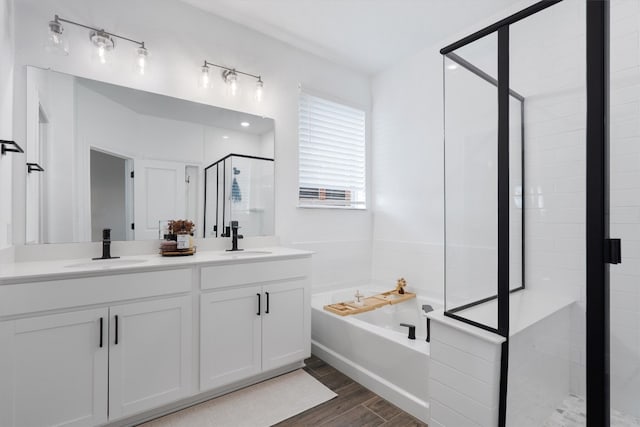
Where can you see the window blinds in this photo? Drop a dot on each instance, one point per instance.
(331, 154)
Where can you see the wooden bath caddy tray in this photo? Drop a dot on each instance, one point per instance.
(183, 252)
(369, 303)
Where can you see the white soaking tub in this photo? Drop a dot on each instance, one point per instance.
(373, 349)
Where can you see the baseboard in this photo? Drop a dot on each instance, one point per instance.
(405, 401)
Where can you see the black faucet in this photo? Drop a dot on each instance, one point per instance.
(234, 236)
(412, 330)
(426, 308)
(106, 245)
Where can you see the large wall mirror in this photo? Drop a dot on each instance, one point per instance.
(120, 158)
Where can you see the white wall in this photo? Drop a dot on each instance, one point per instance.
(179, 39)
(6, 117)
(407, 157)
(408, 173)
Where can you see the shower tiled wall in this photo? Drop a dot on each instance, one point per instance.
(548, 67)
(625, 205)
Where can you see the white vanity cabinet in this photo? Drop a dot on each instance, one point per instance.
(116, 347)
(84, 367)
(149, 354)
(249, 326)
(230, 336)
(285, 324)
(53, 370)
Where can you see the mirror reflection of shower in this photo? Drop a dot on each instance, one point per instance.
(240, 188)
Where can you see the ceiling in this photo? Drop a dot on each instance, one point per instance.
(368, 35)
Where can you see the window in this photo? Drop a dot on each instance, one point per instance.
(331, 154)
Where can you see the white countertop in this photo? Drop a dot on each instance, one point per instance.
(22, 272)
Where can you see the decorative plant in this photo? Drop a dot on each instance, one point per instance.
(181, 226)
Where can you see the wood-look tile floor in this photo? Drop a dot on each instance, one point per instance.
(355, 406)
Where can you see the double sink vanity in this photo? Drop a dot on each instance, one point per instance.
(120, 341)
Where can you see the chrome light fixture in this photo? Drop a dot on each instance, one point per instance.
(230, 77)
(204, 81)
(259, 90)
(103, 41)
(142, 60)
(56, 42)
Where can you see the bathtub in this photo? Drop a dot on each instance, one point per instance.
(374, 350)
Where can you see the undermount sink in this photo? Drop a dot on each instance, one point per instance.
(247, 253)
(106, 263)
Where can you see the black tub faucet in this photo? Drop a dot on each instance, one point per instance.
(106, 245)
(426, 308)
(412, 330)
(234, 236)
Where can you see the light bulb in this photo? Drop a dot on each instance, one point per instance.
(233, 83)
(101, 53)
(204, 80)
(142, 60)
(259, 90)
(56, 43)
(103, 44)
(231, 78)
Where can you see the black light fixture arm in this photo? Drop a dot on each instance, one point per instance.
(211, 64)
(100, 30)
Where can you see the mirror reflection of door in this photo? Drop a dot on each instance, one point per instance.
(111, 196)
(163, 191)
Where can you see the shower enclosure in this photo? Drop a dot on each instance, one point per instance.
(239, 188)
(539, 172)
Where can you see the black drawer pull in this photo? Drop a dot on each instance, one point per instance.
(101, 327)
(116, 340)
(258, 313)
(267, 310)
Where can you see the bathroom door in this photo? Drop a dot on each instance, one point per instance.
(159, 195)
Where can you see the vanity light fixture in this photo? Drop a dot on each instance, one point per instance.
(259, 90)
(204, 81)
(56, 42)
(230, 77)
(103, 41)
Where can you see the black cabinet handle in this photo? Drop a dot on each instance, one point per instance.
(101, 322)
(267, 310)
(116, 340)
(258, 313)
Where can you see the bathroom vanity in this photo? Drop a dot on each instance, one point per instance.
(117, 342)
